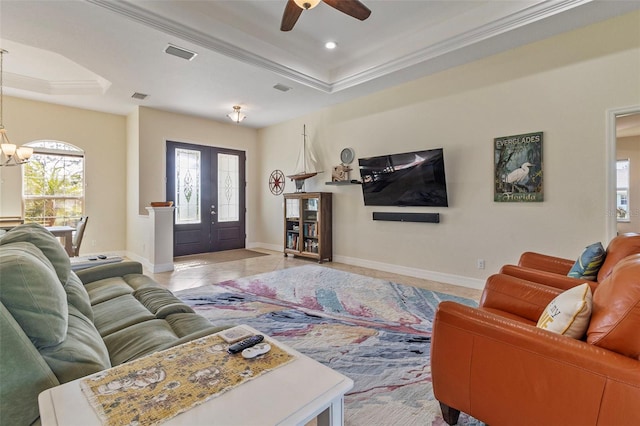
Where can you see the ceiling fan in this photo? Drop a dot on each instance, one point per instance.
(294, 8)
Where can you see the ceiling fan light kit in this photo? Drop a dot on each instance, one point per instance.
(307, 4)
(294, 8)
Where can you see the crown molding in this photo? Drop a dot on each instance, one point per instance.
(46, 87)
(495, 28)
(217, 45)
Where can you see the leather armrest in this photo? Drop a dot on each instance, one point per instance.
(547, 263)
(541, 342)
(109, 270)
(519, 297)
(543, 277)
(501, 371)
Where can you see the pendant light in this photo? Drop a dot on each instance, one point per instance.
(10, 155)
(236, 115)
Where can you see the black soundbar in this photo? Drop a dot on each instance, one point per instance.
(407, 217)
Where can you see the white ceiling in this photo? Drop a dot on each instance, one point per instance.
(96, 53)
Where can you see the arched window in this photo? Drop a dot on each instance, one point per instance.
(53, 184)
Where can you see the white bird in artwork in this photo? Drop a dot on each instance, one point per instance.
(518, 175)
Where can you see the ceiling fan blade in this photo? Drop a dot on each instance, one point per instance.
(350, 7)
(290, 16)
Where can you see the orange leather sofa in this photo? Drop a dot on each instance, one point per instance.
(553, 271)
(494, 364)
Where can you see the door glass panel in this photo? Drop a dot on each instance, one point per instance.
(622, 198)
(188, 186)
(228, 188)
(293, 208)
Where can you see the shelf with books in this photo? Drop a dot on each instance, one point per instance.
(311, 245)
(308, 229)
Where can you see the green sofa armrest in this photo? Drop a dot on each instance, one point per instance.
(109, 270)
(23, 374)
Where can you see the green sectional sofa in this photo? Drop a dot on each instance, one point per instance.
(57, 326)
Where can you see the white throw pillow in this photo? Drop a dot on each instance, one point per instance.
(569, 313)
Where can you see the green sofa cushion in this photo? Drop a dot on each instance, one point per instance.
(46, 242)
(31, 291)
(82, 353)
(107, 289)
(77, 296)
(100, 272)
(161, 301)
(138, 340)
(137, 281)
(119, 313)
(185, 324)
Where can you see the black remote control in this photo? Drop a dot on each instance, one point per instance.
(246, 343)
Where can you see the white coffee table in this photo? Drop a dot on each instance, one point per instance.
(292, 394)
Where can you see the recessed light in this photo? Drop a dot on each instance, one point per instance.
(331, 45)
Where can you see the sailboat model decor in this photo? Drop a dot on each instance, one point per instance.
(306, 165)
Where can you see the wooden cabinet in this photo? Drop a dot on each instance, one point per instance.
(307, 225)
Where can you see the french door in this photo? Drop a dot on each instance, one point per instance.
(207, 186)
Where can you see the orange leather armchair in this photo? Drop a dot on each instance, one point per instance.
(494, 364)
(553, 271)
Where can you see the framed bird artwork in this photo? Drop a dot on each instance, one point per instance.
(518, 168)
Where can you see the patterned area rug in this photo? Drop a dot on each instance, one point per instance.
(375, 332)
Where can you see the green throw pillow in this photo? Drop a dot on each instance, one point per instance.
(589, 263)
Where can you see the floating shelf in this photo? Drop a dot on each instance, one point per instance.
(344, 182)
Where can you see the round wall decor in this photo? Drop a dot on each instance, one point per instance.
(276, 182)
(347, 155)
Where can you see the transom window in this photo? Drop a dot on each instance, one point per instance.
(53, 184)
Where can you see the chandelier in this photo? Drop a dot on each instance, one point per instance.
(10, 154)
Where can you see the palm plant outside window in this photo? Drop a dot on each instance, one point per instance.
(53, 184)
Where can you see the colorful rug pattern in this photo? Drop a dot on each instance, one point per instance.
(375, 332)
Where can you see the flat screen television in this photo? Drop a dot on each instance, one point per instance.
(408, 179)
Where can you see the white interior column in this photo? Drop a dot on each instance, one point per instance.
(161, 241)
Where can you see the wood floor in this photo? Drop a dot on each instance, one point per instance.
(195, 271)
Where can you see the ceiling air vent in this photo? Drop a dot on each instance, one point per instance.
(180, 52)
(282, 87)
(140, 96)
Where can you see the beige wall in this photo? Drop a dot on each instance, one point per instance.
(102, 137)
(629, 148)
(149, 129)
(562, 86)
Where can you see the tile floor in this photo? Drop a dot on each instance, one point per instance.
(189, 273)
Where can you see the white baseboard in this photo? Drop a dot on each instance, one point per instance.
(161, 267)
(153, 268)
(265, 246)
(441, 277)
